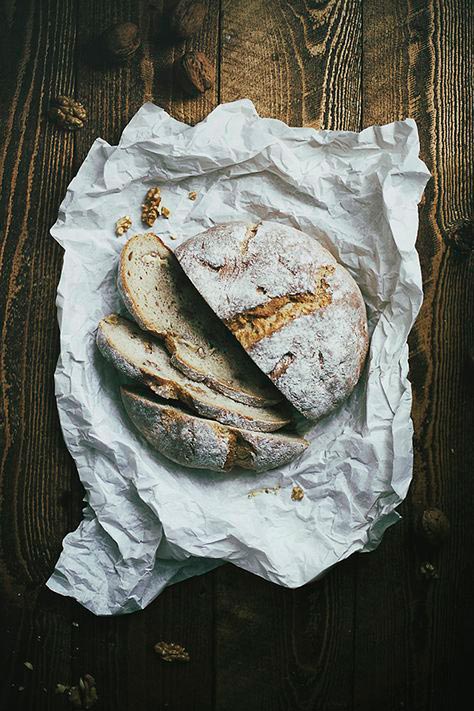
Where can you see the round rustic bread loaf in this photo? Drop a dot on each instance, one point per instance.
(297, 312)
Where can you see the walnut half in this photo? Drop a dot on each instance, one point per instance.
(171, 652)
(67, 113)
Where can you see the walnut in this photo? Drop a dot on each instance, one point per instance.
(150, 208)
(82, 696)
(165, 212)
(171, 652)
(120, 41)
(297, 493)
(192, 195)
(428, 571)
(67, 113)
(122, 225)
(195, 73)
(188, 17)
(433, 526)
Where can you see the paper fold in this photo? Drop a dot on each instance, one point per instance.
(149, 522)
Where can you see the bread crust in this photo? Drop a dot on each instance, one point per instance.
(205, 444)
(143, 359)
(297, 312)
(254, 389)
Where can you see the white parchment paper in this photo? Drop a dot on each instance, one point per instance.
(148, 522)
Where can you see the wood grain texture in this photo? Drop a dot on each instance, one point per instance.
(38, 482)
(277, 648)
(306, 56)
(49, 54)
(410, 651)
(371, 633)
(284, 649)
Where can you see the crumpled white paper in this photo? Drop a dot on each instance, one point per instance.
(148, 522)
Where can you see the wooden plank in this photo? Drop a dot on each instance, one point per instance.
(414, 638)
(296, 63)
(119, 652)
(36, 471)
(277, 648)
(60, 639)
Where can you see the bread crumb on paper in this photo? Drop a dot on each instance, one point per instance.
(264, 490)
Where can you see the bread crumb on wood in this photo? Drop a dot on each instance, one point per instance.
(264, 490)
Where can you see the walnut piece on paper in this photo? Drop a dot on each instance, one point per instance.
(192, 195)
(297, 493)
(171, 652)
(122, 225)
(150, 208)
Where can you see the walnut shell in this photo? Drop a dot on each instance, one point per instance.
(433, 526)
(188, 17)
(196, 74)
(121, 41)
(67, 113)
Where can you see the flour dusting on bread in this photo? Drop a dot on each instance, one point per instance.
(298, 313)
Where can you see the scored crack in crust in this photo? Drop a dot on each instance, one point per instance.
(251, 326)
(297, 312)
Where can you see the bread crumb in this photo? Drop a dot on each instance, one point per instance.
(264, 490)
(297, 493)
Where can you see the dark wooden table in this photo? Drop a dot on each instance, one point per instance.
(372, 634)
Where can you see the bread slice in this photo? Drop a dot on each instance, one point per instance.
(204, 444)
(297, 312)
(163, 301)
(142, 358)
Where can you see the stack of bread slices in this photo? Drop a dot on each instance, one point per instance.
(203, 403)
(210, 364)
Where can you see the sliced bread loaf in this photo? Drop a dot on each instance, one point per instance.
(143, 358)
(204, 444)
(163, 301)
(297, 312)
